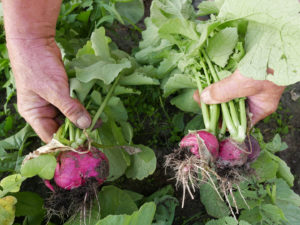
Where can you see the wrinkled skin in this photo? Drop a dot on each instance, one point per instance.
(263, 96)
(190, 141)
(74, 169)
(40, 77)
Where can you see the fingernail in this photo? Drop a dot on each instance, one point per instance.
(83, 122)
(205, 96)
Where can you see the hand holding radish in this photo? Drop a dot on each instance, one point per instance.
(41, 80)
(263, 96)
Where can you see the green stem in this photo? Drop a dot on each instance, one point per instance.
(204, 107)
(243, 115)
(104, 103)
(228, 120)
(234, 114)
(71, 133)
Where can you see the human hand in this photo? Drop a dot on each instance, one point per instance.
(42, 86)
(263, 96)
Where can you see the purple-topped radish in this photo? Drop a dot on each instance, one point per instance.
(191, 141)
(254, 148)
(232, 153)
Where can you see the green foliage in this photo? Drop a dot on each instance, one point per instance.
(30, 206)
(43, 166)
(142, 217)
(7, 210)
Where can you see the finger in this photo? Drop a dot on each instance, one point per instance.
(72, 109)
(196, 97)
(234, 86)
(42, 121)
(45, 128)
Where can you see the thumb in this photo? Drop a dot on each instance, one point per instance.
(71, 108)
(234, 86)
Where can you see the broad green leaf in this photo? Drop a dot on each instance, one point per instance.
(221, 45)
(142, 217)
(138, 79)
(195, 124)
(134, 195)
(17, 140)
(276, 145)
(177, 82)
(207, 8)
(30, 205)
(120, 90)
(272, 213)
(131, 11)
(100, 43)
(178, 26)
(265, 167)
(102, 70)
(227, 221)
(163, 10)
(167, 190)
(284, 194)
(253, 216)
(165, 210)
(291, 213)
(142, 164)
(80, 90)
(96, 97)
(116, 109)
(7, 210)
(169, 63)
(87, 49)
(185, 101)
(11, 183)
(283, 170)
(117, 162)
(43, 166)
(272, 38)
(114, 201)
(213, 204)
(178, 121)
(127, 131)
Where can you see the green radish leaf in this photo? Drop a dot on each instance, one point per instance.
(138, 78)
(11, 183)
(291, 213)
(266, 168)
(87, 49)
(272, 38)
(80, 90)
(185, 101)
(165, 210)
(142, 164)
(142, 217)
(221, 45)
(195, 124)
(100, 43)
(30, 205)
(43, 166)
(117, 111)
(227, 221)
(7, 210)
(102, 70)
(127, 131)
(284, 194)
(115, 201)
(120, 90)
(207, 8)
(213, 204)
(131, 11)
(177, 82)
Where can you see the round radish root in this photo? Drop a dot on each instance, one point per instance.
(74, 169)
(232, 154)
(191, 141)
(254, 148)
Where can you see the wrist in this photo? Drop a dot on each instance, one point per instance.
(30, 19)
